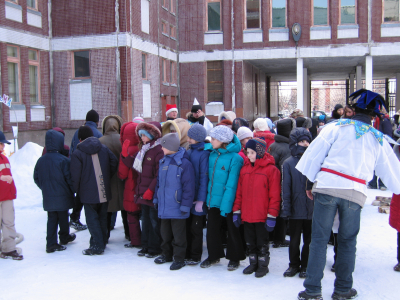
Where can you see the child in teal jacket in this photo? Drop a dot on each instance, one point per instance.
(224, 169)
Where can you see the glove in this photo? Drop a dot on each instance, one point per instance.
(156, 206)
(125, 147)
(237, 220)
(6, 178)
(148, 195)
(199, 206)
(270, 223)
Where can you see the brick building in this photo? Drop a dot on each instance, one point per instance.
(131, 57)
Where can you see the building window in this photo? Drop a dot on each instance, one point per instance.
(278, 13)
(164, 27)
(164, 71)
(14, 77)
(320, 12)
(172, 31)
(213, 15)
(391, 11)
(81, 64)
(348, 12)
(215, 86)
(172, 5)
(144, 66)
(32, 4)
(253, 14)
(34, 76)
(165, 4)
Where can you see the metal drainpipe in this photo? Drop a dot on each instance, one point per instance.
(177, 60)
(52, 102)
(117, 60)
(369, 25)
(131, 55)
(233, 58)
(158, 58)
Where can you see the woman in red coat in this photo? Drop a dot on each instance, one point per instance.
(257, 203)
(394, 221)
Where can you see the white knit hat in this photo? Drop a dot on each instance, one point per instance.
(222, 133)
(244, 132)
(261, 124)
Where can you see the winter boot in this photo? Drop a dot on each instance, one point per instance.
(263, 262)
(233, 265)
(303, 273)
(12, 254)
(283, 244)
(70, 239)
(291, 271)
(253, 265)
(208, 263)
(132, 246)
(397, 267)
(176, 265)
(304, 296)
(142, 252)
(92, 251)
(152, 254)
(352, 294)
(192, 262)
(55, 248)
(77, 225)
(162, 259)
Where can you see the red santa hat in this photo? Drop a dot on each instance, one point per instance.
(170, 108)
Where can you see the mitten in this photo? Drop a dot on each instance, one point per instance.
(237, 220)
(199, 206)
(7, 178)
(125, 147)
(148, 195)
(270, 223)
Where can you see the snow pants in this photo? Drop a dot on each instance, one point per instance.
(7, 225)
(134, 228)
(296, 258)
(57, 219)
(194, 237)
(173, 234)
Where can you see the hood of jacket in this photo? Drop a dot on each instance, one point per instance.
(59, 130)
(181, 126)
(91, 145)
(151, 128)
(128, 132)
(266, 160)
(111, 124)
(267, 135)
(233, 147)
(281, 139)
(54, 141)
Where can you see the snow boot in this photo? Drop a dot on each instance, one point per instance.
(70, 239)
(152, 254)
(397, 267)
(92, 251)
(303, 273)
(192, 262)
(12, 254)
(55, 248)
(162, 259)
(263, 262)
(304, 296)
(283, 244)
(77, 225)
(352, 294)
(176, 265)
(132, 246)
(253, 265)
(291, 271)
(142, 252)
(208, 263)
(233, 265)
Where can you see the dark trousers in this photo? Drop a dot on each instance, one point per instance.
(76, 211)
(173, 234)
(373, 184)
(335, 246)
(234, 249)
(124, 222)
(256, 237)
(194, 237)
(96, 220)
(296, 258)
(57, 219)
(279, 230)
(134, 228)
(398, 247)
(151, 238)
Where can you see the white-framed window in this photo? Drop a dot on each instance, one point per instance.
(320, 12)
(34, 76)
(391, 11)
(278, 13)
(14, 73)
(213, 15)
(348, 12)
(252, 14)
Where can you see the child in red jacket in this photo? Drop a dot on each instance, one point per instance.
(7, 195)
(394, 221)
(257, 204)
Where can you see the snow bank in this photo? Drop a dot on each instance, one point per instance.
(22, 165)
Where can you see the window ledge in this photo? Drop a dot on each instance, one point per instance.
(213, 37)
(324, 27)
(35, 12)
(320, 33)
(278, 34)
(172, 13)
(164, 34)
(383, 25)
(18, 107)
(251, 30)
(72, 81)
(173, 38)
(146, 81)
(174, 85)
(14, 5)
(390, 29)
(347, 31)
(252, 36)
(273, 30)
(165, 83)
(37, 106)
(349, 26)
(164, 8)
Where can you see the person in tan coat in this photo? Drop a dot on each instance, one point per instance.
(180, 126)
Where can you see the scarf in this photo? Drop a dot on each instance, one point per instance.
(137, 164)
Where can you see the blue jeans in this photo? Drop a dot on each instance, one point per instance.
(325, 208)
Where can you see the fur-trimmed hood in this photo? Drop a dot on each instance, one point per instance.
(150, 127)
(181, 126)
(112, 123)
(230, 115)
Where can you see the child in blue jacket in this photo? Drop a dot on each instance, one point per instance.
(223, 171)
(199, 159)
(173, 198)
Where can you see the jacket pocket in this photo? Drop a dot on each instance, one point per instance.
(178, 196)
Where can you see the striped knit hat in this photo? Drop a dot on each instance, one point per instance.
(258, 145)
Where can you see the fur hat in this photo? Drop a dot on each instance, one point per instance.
(239, 122)
(226, 122)
(261, 124)
(229, 115)
(222, 134)
(258, 145)
(196, 106)
(244, 132)
(303, 122)
(170, 141)
(297, 113)
(151, 128)
(197, 132)
(170, 108)
(92, 115)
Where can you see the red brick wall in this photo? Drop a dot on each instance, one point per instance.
(126, 83)
(377, 18)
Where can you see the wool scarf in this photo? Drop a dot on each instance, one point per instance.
(137, 164)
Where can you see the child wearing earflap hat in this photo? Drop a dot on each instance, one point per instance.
(257, 204)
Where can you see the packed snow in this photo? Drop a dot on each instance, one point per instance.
(120, 273)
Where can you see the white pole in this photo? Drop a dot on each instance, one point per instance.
(300, 84)
(368, 72)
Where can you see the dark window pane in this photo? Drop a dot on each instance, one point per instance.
(32, 55)
(214, 16)
(253, 13)
(215, 85)
(144, 69)
(33, 84)
(82, 67)
(13, 85)
(348, 12)
(31, 3)
(391, 11)
(278, 13)
(320, 12)
(12, 51)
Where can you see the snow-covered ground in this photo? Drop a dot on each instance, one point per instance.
(120, 273)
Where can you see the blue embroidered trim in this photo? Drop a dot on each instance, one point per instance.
(362, 128)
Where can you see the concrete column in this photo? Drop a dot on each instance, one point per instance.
(300, 84)
(368, 72)
(397, 91)
(351, 84)
(358, 78)
(306, 94)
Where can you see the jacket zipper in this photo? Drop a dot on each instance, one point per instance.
(212, 179)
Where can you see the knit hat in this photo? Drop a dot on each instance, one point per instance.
(261, 124)
(270, 124)
(338, 106)
(285, 126)
(170, 108)
(197, 132)
(222, 134)
(258, 145)
(92, 115)
(3, 138)
(171, 142)
(138, 120)
(297, 113)
(146, 133)
(196, 106)
(84, 132)
(239, 122)
(244, 132)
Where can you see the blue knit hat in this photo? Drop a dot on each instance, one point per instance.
(197, 132)
(146, 133)
(258, 145)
